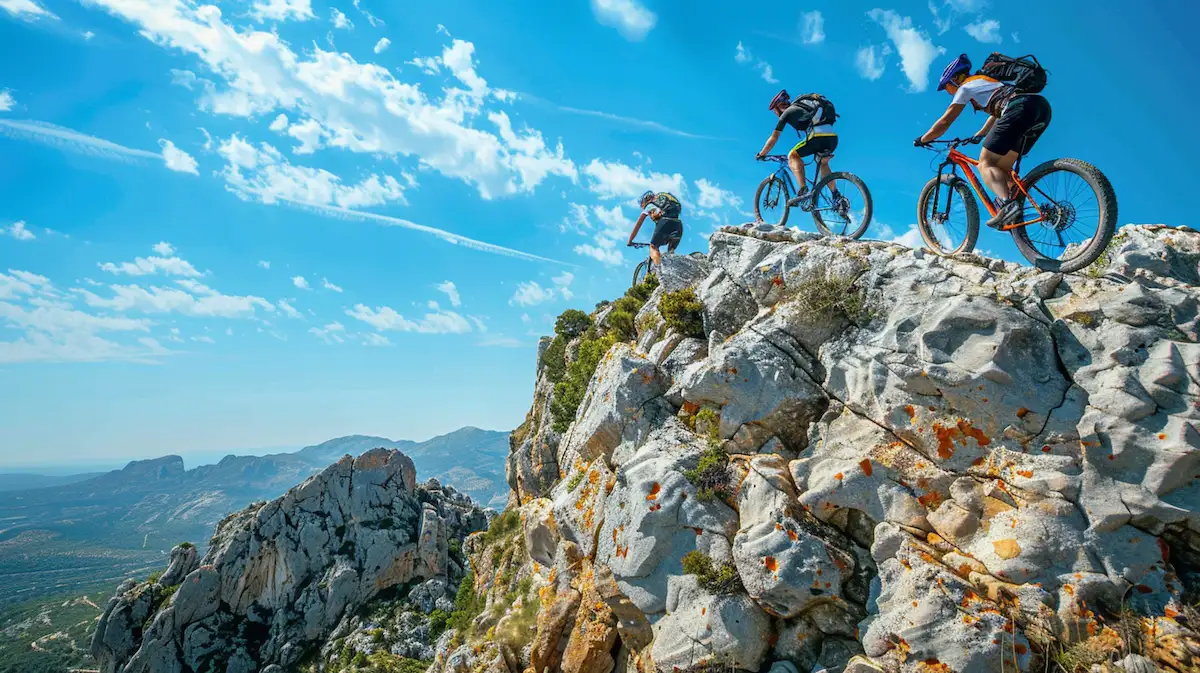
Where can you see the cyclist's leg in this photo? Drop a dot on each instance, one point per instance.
(665, 229)
(655, 256)
(1012, 135)
(796, 163)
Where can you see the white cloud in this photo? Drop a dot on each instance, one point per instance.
(195, 299)
(279, 124)
(742, 55)
(451, 291)
(375, 339)
(910, 238)
(330, 286)
(166, 262)
(371, 18)
(916, 50)
(871, 60)
(177, 159)
(6, 100)
(263, 173)
(18, 231)
(1016, 37)
(630, 17)
(945, 14)
(204, 339)
(339, 20)
(500, 341)
(87, 35)
(812, 27)
(27, 10)
(618, 180)
(712, 196)
(331, 333)
(613, 229)
(563, 282)
(360, 107)
(264, 264)
(299, 282)
(382, 45)
(288, 310)
(437, 321)
(986, 31)
(282, 10)
(530, 293)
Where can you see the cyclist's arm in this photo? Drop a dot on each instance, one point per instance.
(987, 126)
(770, 143)
(637, 227)
(942, 125)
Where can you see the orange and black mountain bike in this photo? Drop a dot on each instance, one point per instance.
(1069, 210)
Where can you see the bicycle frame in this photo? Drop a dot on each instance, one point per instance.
(959, 160)
(785, 170)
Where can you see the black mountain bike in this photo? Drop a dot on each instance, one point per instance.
(835, 210)
(643, 267)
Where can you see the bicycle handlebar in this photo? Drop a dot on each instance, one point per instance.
(950, 144)
(773, 157)
(639, 245)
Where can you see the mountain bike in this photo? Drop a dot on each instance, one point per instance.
(643, 267)
(834, 212)
(1062, 193)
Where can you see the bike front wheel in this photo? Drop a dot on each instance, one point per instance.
(1078, 210)
(770, 201)
(949, 223)
(639, 272)
(842, 206)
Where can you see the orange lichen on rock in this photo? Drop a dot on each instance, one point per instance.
(1006, 549)
(1028, 474)
(865, 464)
(908, 409)
(655, 489)
(771, 564)
(839, 476)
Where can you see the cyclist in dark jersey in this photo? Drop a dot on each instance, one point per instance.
(664, 209)
(816, 135)
(1014, 124)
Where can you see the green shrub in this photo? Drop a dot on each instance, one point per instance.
(505, 524)
(569, 392)
(716, 579)
(554, 360)
(683, 312)
(828, 295)
(186, 545)
(437, 623)
(154, 577)
(572, 323)
(467, 605)
(711, 475)
(709, 422)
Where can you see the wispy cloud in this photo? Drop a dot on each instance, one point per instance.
(300, 282)
(870, 61)
(6, 100)
(621, 119)
(986, 31)
(448, 237)
(914, 46)
(177, 159)
(742, 55)
(451, 291)
(72, 141)
(330, 286)
(812, 27)
(382, 45)
(26, 10)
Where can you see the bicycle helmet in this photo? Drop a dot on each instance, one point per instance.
(646, 198)
(959, 65)
(780, 98)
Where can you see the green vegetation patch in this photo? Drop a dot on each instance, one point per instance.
(683, 312)
(829, 295)
(717, 579)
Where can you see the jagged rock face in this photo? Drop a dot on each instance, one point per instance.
(937, 465)
(279, 576)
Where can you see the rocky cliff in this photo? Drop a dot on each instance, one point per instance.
(799, 454)
(281, 579)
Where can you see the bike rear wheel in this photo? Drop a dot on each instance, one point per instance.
(639, 272)
(1079, 207)
(949, 225)
(849, 213)
(770, 201)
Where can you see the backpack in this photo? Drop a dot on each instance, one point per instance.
(828, 112)
(668, 204)
(1023, 75)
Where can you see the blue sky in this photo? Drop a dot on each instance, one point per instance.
(263, 223)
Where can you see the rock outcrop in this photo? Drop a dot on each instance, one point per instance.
(280, 577)
(873, 459)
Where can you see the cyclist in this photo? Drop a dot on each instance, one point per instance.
(1014, 124)
(664, 209)
(813, 122)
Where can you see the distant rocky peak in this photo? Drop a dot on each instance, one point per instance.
(166, 467)
(279, 576)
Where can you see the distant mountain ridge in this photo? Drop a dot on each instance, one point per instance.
(119, 521)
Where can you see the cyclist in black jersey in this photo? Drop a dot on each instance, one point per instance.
(816, 135)
(664, 209)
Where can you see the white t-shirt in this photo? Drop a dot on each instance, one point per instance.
(977, 91)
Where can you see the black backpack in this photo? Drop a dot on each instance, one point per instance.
(828, 112)
(1024, 74)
